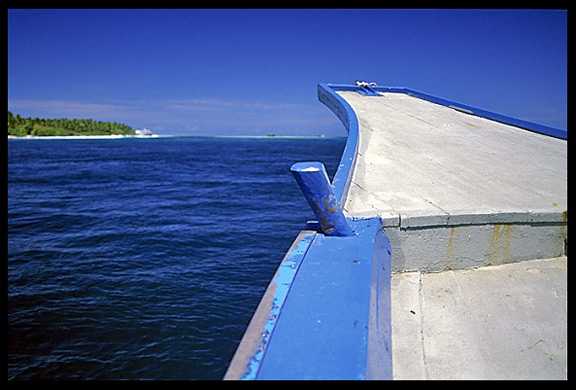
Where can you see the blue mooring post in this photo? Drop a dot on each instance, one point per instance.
(314, 183)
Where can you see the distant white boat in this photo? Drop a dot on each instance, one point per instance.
(146, 133)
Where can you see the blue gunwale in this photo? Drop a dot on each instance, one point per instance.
(270, 348)
(327, 95)
(509, 120)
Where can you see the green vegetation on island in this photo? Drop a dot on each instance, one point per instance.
(21, 127)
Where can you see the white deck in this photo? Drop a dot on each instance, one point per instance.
(502, 322)
(423, 159)
(457, 192)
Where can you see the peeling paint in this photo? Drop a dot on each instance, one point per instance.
(281, 283)
(319, 193)
(335, 321)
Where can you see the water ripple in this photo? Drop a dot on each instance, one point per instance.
(145, 259)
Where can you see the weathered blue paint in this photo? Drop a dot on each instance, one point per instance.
(329, 317)
(281, 285)
(315, 185)
(336, 311)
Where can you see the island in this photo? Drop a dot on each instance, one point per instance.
(25, 127)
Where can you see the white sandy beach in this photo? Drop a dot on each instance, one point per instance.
(84, 136)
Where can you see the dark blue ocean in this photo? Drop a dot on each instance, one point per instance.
(145, 258)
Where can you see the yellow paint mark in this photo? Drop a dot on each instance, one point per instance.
(494, 244)
(507, 251)
(564, 212)
(450, 251)
(500, 251)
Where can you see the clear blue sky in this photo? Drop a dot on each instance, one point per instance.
(254, 72)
